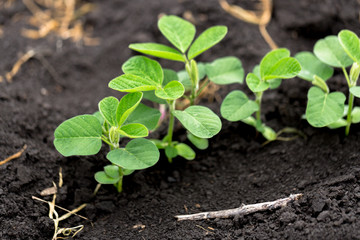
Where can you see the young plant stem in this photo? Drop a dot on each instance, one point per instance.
(258, 101)
(348, 118)
(194, 82)
(171, 124)
(119, 184)
(351, 103)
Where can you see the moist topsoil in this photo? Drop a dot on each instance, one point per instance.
(236, 169)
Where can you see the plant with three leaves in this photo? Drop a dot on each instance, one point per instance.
(275, 66)
(200, 122)
(325, 109)
(84, 134)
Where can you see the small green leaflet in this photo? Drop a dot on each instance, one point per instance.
(132, 83)
(112, 171)
(80, 135)
(158, 50)
(173, 90)
(329, 51)
(225, 70)
(237, 106)
(185, 151)
(134, 130)
(323, 109)
(199, 120)
(138, 154)
(255, 84)
(145, 68)
(102, 178)
(127, 105)
(279, 64)
(107, 108)
(178, 31)
(355, 91)
(206, 40)
(200, 143)
(311, 65)
(351, 44)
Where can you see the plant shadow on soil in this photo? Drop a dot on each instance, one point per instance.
(236, 169)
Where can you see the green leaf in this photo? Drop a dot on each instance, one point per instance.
(355, 115)
(98, 115)
(225, 70)
(147, 116)
(311, 65)
(112, 171)
(158, 50)
(199, 120)
(274, 83)
(237, 106)
(330, 51)
(173, 90)
(323, 109)
(337, 124)
(138, 154)
(127, 105)
(127, 172)
(355, 91)
(107, 108)
(170, 152)
(209, 38)
(132, 83)
(134, 130)
(351, 44)
(145, 68)
(279, 64)
(102, 178)
(185, 151)
(169, 75)
(80, 135)
(178, 31)
(255, 84)
(200, 143)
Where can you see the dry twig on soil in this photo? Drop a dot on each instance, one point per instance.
(261, 17)
(243, 210)
(60, 17)
(16, 155)
(66, 232)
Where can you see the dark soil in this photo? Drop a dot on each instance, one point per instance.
(235, 170)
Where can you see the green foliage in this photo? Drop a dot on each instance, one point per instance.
(225, 70)
(311, 65)
(139, 75)
(80, 135)
(237, 106)
(83, 135)
(200, 121)
(330, 51)
(325, 108)
(138, 154)
(209, 38)
(275, 66)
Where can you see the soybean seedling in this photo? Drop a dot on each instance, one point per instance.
(84, 134)
(275, 66)
(194, 78)
(325, 108)
(144, 74)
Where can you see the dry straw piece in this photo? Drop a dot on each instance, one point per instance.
(14, 156)
(60, 17)
(260, 17)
